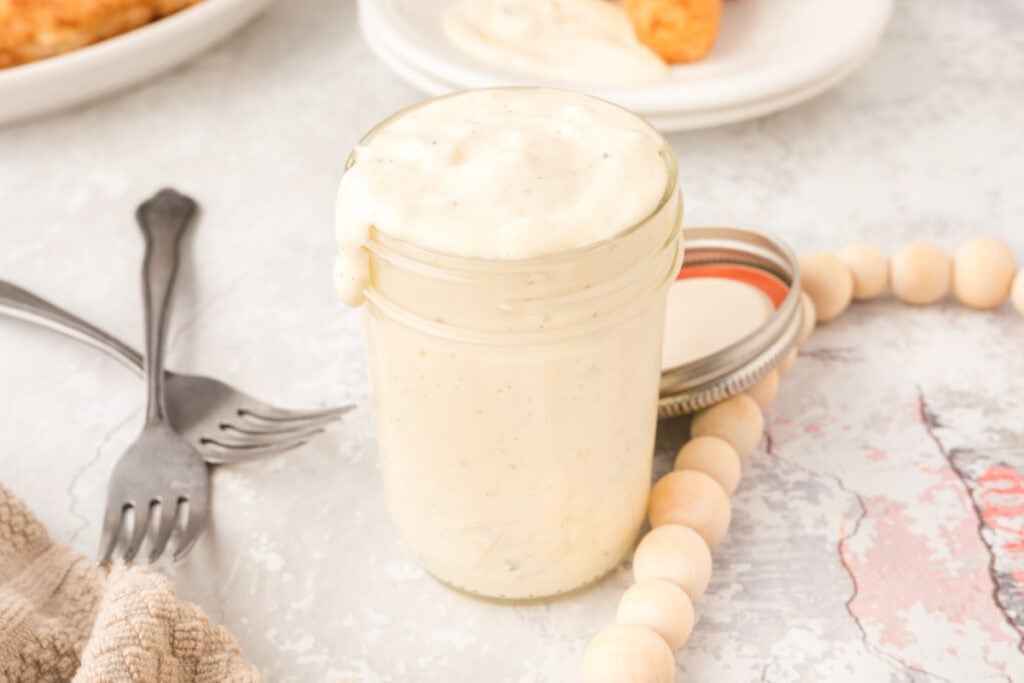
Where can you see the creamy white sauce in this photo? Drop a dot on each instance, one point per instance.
(498, 174)
(707, 314)
(575, 41)
(516, 414)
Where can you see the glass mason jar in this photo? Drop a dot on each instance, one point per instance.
(516, 401)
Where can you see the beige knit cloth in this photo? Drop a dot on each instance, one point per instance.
(64, 618)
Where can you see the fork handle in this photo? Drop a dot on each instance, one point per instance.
(24, 305)
(163, 219)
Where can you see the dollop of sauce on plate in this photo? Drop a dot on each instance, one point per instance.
(574, 41)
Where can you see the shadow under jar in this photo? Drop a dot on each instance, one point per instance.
(516, 401)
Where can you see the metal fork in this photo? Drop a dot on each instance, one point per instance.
(160, 474)
(222, 423)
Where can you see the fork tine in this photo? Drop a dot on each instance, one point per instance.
(242, 441)
(254, 426)
(193, 527)
(113, 518)
(219, 454)
(164, 529)
(269, 413)
(139, 531)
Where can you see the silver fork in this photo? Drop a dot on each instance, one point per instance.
(222, 423)
(160, 473)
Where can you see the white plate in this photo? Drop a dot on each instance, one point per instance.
(768, 51)
(91, 72)
(666, 121)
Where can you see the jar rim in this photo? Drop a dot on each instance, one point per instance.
(474, 263)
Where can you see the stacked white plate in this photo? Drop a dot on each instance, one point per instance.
(770, 54)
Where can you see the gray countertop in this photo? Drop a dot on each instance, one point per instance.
(878, 533)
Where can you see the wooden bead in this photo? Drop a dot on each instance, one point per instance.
(828, 282)
(1017, 293)
(627, 653)
(677, 554)
(714, 457)
(921, 274)
(809, 318)
(788, 362)
(692, 499)
(765, 390)
(738, 420)
(983, 270)
(869, 267)
(661, 606)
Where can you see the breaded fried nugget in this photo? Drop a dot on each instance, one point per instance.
(678, 30)
(36, 29)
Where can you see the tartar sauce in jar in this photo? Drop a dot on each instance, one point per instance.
(513, 248)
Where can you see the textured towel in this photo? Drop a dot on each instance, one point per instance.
(64, 618)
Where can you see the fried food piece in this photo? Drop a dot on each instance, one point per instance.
(678, 30)
(36, 29)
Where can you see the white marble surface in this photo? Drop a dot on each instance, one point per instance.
(879, 537)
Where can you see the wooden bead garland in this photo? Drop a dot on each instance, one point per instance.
(921, 274)
(738, 420)
(686, 505)
(1017, 293)
(677, 554)
(714, 457)
(692, 499)
(627, 653)
(827, 281)
(788, 362)
(983, 271)
(661, 606)
(869, 267)
(765, 390)
(809, 318)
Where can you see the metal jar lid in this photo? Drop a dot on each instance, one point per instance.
(731, 370)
